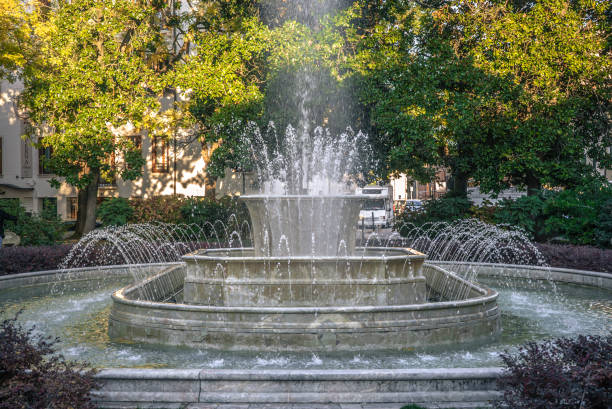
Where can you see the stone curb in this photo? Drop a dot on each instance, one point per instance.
(43, 277)
(565, 275)
(323, 389)
(528, 267)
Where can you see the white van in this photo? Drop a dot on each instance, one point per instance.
(377, 209)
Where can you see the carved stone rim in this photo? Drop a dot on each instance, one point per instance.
(405, 254)
(302, 197)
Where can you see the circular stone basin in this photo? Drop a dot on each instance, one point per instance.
(77, 311)
(389, 291)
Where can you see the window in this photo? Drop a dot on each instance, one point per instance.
(109, 178)
(374, 204)
(161, 163)
(137, 141)
(44, 156)
(73, 204)
(26, 159)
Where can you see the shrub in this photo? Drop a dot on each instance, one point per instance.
(484, 213)
(115, 211)
(578, 257)
(165, 209)
(34, 230)
(14, 260)
(33, 376)
(202, 210)
(574, 213)
(582, 215)
(524, 212)
(603, 229)
(559, 374)
(205, 212)
(446, 208)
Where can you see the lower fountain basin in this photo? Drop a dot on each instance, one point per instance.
(75, 306)
(304, 328)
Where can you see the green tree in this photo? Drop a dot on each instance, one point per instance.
(227, 80)
(222, 79)
(269, 66)
(557, 54)
(369, 49)
(93, 92)
(13, 36)
(504, 93)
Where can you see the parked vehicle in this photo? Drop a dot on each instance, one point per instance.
(377, 210)
(413, 205)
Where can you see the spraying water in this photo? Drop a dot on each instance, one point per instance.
(303, 163)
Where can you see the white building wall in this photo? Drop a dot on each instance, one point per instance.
(478, 198)
(400, 186)
(189, 175)
(20, 176)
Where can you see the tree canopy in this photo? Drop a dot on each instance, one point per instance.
(498, 92)
(13, 36)
(94, 78)
(502, 93)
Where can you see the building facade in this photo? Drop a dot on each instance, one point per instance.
(171, 168)
(406, 188)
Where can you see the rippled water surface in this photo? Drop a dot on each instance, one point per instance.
(79, 318)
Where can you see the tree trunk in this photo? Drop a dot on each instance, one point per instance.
(459, 184)
(533, 185)
(210, 187)
(86, 212)
(81, 206)
(210, 183)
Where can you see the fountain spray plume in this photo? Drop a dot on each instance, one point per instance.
(313, 164)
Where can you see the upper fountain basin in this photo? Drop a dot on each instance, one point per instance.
(303, 225)
(373, 276)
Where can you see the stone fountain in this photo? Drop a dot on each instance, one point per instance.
(304, 285)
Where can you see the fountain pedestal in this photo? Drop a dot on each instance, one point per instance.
(303, 226)
(304, 256)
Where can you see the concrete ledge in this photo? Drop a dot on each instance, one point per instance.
(324, 389)
(134, 387)
(564, 275)
(306, 328)
(71, 275)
